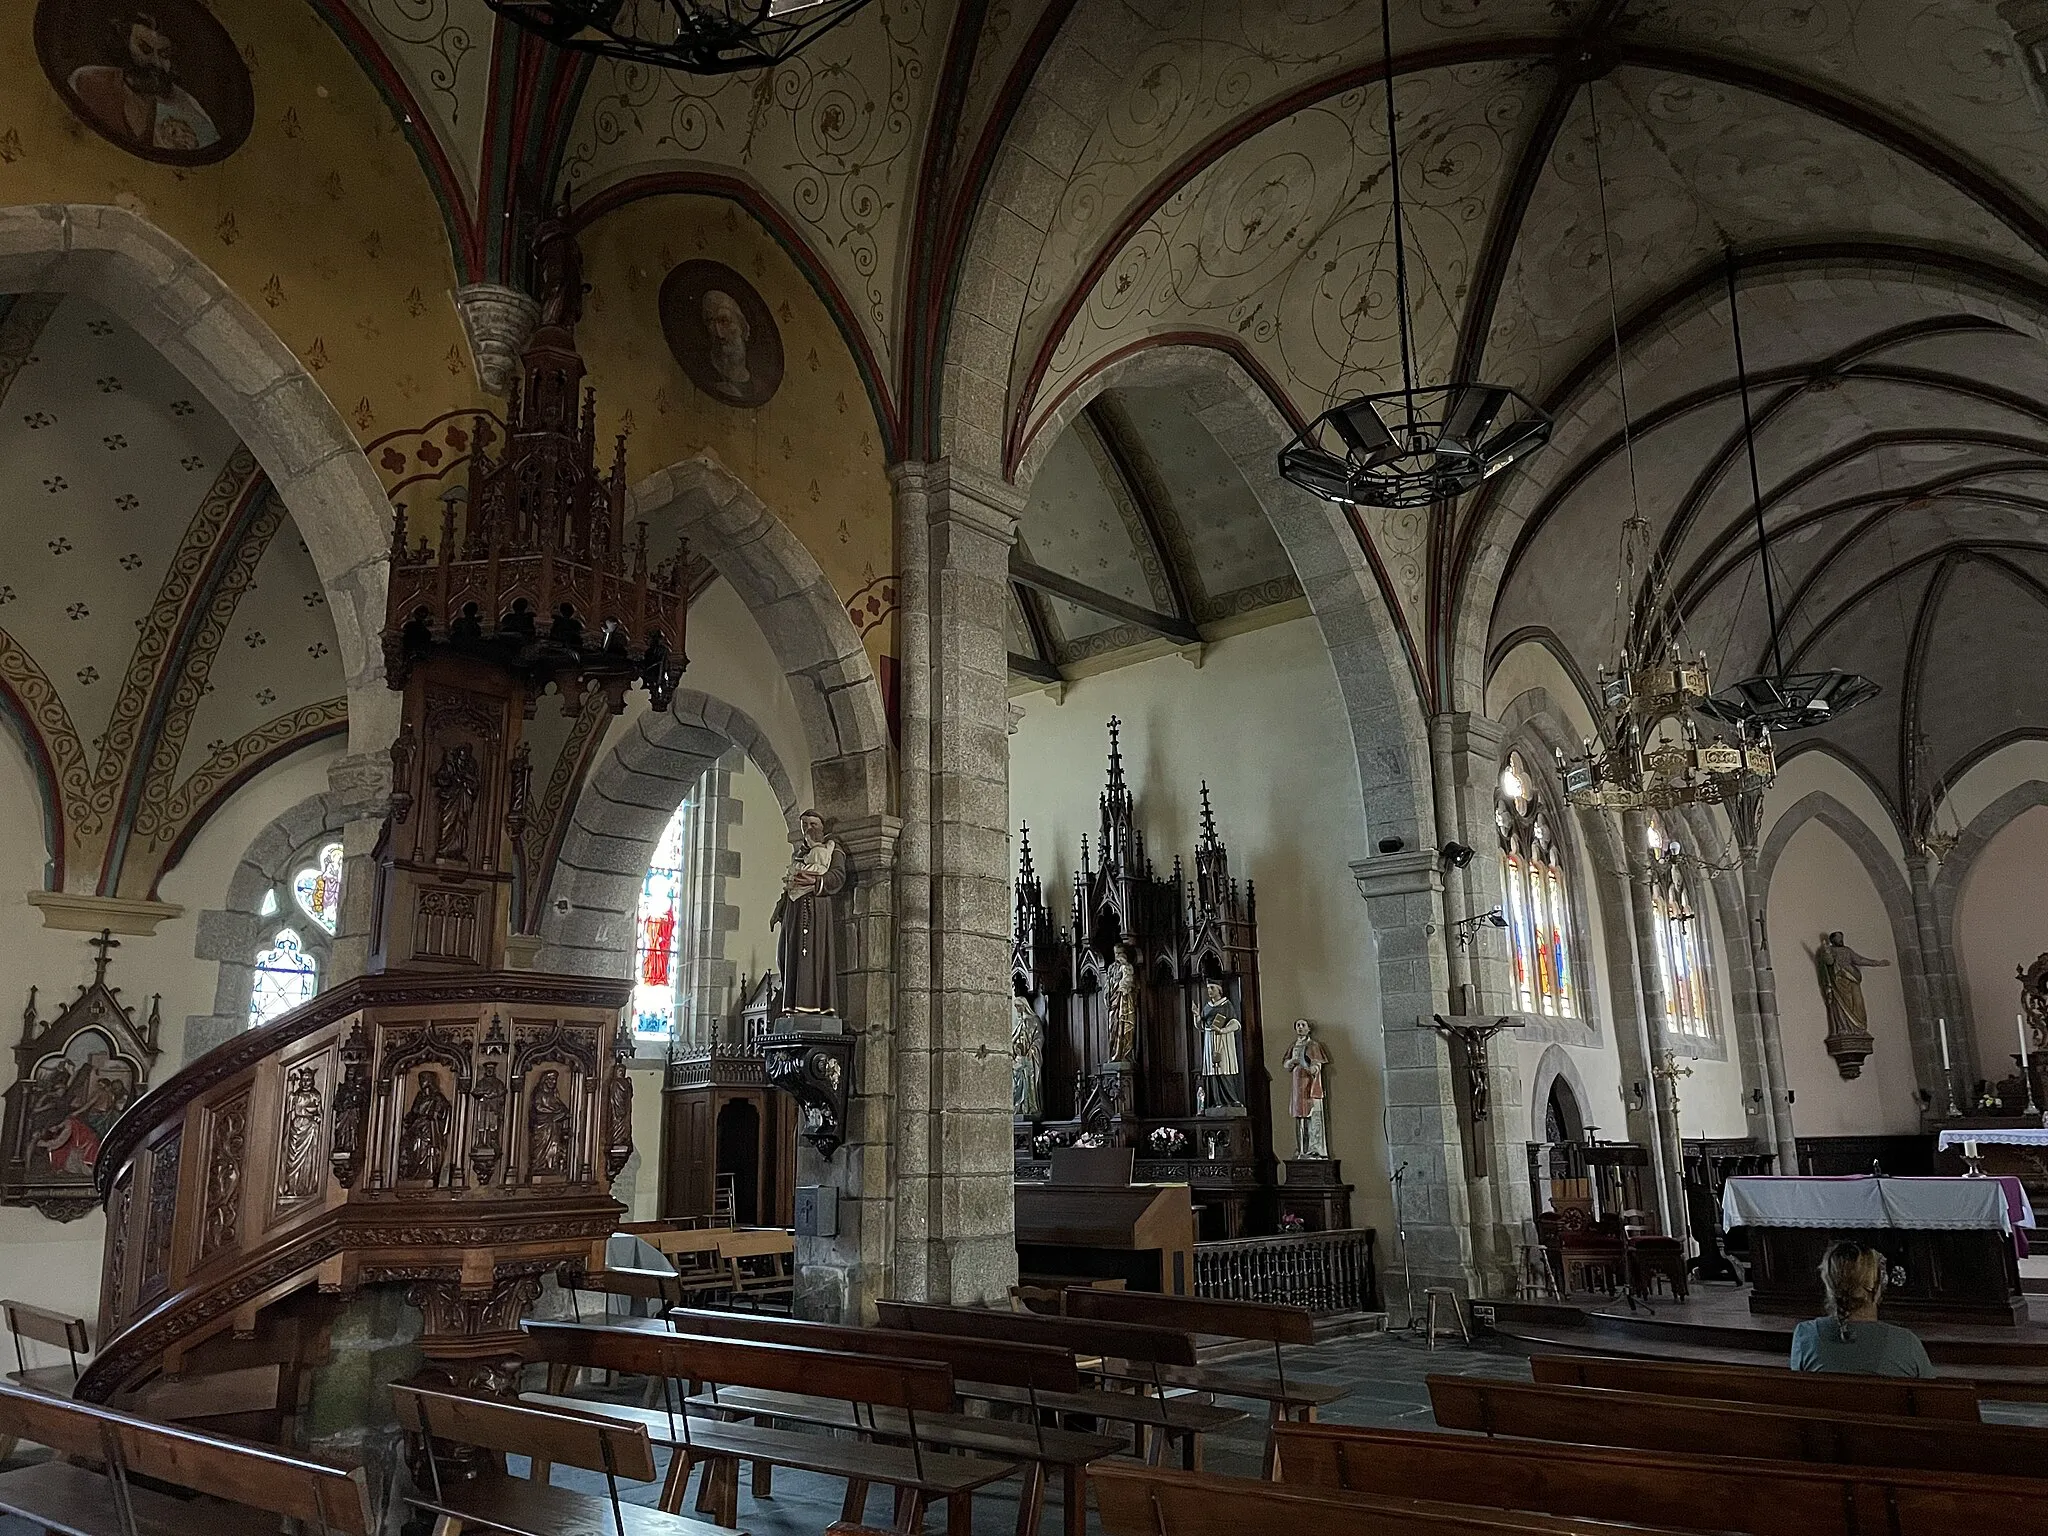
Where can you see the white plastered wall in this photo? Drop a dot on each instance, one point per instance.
(57, 1264)
(2001, 924)
(1263, 723)
(1820, 885)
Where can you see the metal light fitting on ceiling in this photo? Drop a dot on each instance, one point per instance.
(699, 37)
(1418, 444)
(1777, 700)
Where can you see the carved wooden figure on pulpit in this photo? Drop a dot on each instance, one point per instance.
(423, 1134)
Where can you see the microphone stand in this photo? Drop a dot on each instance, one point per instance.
(1401, 1240)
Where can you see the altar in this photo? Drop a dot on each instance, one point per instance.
(1951, 1245)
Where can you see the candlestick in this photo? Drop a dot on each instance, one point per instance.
(1948, 1071)
(1946, 1065)
(2026, 1072)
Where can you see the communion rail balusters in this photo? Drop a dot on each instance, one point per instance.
(1325, 1272)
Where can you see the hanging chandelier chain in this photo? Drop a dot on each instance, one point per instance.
(1634, 529)
(1394, 179)
(1756, 489)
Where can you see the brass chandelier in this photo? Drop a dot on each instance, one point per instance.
(699, 37)
(1661, 744)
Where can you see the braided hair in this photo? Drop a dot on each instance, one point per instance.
(1853, 1277)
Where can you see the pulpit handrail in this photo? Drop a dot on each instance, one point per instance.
(170, 1098)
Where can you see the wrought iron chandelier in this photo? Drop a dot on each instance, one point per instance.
(1660, 745)
(700, 37)
(1419, 444)
(1777, 700)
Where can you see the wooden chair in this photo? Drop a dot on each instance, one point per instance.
(1150, 1411)
(914, 1389)
(1036, 1369)
(40, 1325)
(90, 1489)
(1264, 1322)
(529, 1507)
(760, 1264)
(1767, 1385)
(1646, 1421)
(1759, 1498)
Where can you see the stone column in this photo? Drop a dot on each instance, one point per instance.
(1404, 903)
(1753, 956)
(840, 1277)
(955, 1214)
(1465, 753)
(1635, 828)
(358, 784)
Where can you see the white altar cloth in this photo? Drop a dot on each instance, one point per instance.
(1997, 1136)
(1862, 1202)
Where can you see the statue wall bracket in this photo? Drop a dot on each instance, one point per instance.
(815, 1067)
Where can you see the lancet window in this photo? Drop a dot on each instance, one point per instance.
(1681, 947)
(1535, 897)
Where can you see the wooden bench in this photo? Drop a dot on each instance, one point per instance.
(28, 1322)
(1152, 1501)
(1761, 1498)
(1265, 1322)
(911, 1388)
(244, 1490)
(1034, 1369)
(1646, 1421)
(1164, 1416)
(497, 1501)
(1765, 1385)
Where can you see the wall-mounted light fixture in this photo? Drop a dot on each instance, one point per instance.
(1463, 929)
(1755, 1103)
(1455, 855)
(1636, 1097)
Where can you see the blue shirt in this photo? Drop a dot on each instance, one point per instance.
(1869, 1349)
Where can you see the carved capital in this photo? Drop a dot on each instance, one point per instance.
(498, 321)
(361, 784)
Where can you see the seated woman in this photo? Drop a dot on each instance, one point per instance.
(1850, 1340)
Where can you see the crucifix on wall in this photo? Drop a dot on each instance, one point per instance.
(1468, 1043)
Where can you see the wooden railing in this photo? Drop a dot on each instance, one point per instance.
(1322, 1271)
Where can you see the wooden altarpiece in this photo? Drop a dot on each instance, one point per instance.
(1183, 937)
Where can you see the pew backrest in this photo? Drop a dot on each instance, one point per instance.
(1773, 1385)
(1646, 1421)
(575, 1440)
(320, 1497)
(1035, 1367)
(1762, 1498)
(755, 1242)
(918, 1386)
(1121, 1341)
(25, 1320)
(1264, 1321)
(1154, 1501)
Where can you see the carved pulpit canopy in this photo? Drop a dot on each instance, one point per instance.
(73, 1076)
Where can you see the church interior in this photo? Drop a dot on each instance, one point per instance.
(1183, 740)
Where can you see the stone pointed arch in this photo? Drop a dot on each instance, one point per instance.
(176, 303)
(1948, 889)
(1553, 1064)
(803, 619)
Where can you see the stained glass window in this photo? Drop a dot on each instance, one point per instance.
(286, 976)
(1681, 956)
(1533, 895)
(655, 948)
(317, 888)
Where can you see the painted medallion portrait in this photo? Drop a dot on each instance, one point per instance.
(722, 333)
(162, 79)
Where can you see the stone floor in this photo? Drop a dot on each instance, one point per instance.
(1384, 1372)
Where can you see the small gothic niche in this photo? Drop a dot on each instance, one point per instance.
(73, 1077)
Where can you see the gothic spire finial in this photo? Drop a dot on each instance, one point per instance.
(1026, 872)
(105, 942)
(1208, 816)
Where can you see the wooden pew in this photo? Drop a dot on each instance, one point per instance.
(1169, 1418)
(909, 1387)
(529, 1507)
(1646, 1421)
(1760, 1498)
(1151, 1501)
(1262, 1321)
(65, 1496)
(1035, 1369)
(1765, 1385)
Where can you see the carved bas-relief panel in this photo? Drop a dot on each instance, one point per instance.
(227, 1150)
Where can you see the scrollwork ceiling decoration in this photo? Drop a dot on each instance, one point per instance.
(831, 135)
